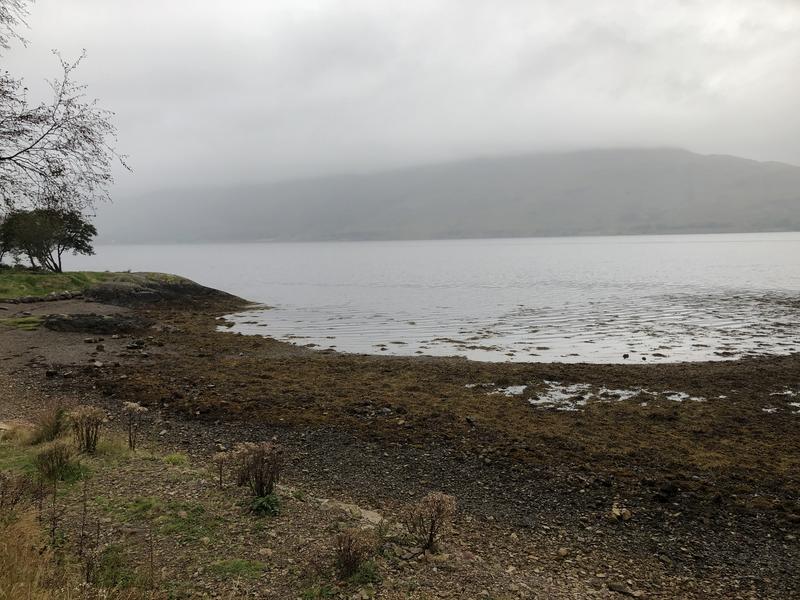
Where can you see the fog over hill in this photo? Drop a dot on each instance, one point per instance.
(631, 191)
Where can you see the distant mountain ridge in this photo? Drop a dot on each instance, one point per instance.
(593, 192)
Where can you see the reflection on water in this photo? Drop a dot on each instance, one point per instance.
(661, 298)
(656, 328)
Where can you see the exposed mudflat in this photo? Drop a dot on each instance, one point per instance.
(705, 456)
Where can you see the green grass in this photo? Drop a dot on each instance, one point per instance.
(114, 571)
(177, 459)
(187, 519)
(178, 590)
(112, 448)
(22, 459)
(19, 459)
(318, 592)
(237, 567)
(19, 456)
(266, 505)
(72, 472)
(24, 323)
(367, 573)
(16, 284)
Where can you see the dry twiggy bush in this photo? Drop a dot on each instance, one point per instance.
(429, 519)
(134, 410)
(54, 462)
(220, 459)
(353, 547)
(259, 467)
(49, 424)
(86, 422)
(15, 490)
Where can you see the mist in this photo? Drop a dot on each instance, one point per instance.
(211, 93)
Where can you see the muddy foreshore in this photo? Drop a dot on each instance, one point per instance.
(711, 488)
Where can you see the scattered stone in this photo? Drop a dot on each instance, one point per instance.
(620, 513)
(596, 583)
(93, 323)
(623, 588)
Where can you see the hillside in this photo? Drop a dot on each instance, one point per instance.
(579, 193)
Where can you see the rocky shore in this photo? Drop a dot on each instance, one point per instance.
(652, 481)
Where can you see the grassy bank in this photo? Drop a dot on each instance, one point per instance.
(130, 525)
(17, 284)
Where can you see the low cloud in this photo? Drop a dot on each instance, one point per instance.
(211, 92)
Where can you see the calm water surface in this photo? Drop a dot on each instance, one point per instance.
(665, 298)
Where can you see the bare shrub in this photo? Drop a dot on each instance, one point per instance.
(259, 467)
(134, 410)
(220, 459)
(86, 422)
(54, 463)
(384, 534)
(429, 519)
(353, 547)
(15, 490)
(50, 423)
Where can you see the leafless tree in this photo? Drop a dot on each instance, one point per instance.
(63, 144)
(63, 147)
(12, 15)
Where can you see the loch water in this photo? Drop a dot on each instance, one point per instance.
(577, 299)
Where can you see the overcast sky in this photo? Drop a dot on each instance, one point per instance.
(219, 91)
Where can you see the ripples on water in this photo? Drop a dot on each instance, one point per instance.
(665, 298)
(667, 328)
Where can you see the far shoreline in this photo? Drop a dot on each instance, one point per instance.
(575, 236)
